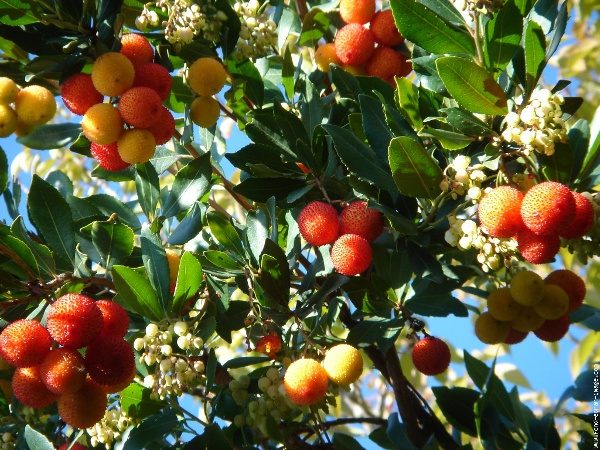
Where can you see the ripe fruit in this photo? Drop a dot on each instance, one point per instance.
(139, 107)
(583, 220)
(102, 124)
(515, 336)
(83, 408)
(351, 254)
(164, 128)
(318, 223)
(79, 94)
(431, 356)
(112, 74)
(305, 382)
(173, 259)
(537, 249)
(8, 120)
(108, 157)
(74, 320)
(76, 446)
(205, 111)
(24, 343)
(137, 49)
(527, 321)
(357, 218)
(386, 63)
(548, 208)
(354, 44)
(269, 344)
(343, 364)
(571, 283)
(325, 55)
(527, 288)
(109, 360)
(357, 11)
(114, 388)
(8, 90)
(29, 388)
(500, 212)
(136, 146)
(155, 77)
(35, 105)
(63, 371)
(555, 303)
(206, 76)
(384, 29)
(554, 330)
(502, 306)
(115, 320)
(490, 330)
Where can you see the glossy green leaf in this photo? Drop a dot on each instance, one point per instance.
(189, 279)
(157, 267)
(56, 135)
(19, 253)
(147, 188)
(535, 53)
(449, 139)
(457, 404)
(191, 183)
(256, 232)
(502, 36)
(225, 233)
(136, 292)
(274, 275)
(408, 101)
(152, 428)
(113, 241)
(446, 10)
(466, 123)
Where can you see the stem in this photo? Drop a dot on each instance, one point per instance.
(477, 37)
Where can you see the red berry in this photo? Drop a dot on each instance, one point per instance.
(571, 283)
(63, 371)
(140, 107)
(537, 249)
(137, 49)
(114, 318)
(387, 63)
(351, 254)
(500, 212)
(24, 343)
(548, 208)
(79, 94)
(155, 77)
(354, 44)
(357, 218)
(515, 336)
(108, 157)
(109, 360)
(318, 223)
(83, 408)
(114, 388)
(29, 388)
(164, 128)
(583, 220)
(269, 344)
(74, 320)
(384, 29)
(431, 356)
(553, 330)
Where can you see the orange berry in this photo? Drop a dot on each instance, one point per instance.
(205, 111)
(24, 343)
(83, 408)
(351, 254)
(318, 223)
(109, 360)
(164, 128)
(137, 49)
(357, 218)
(63, 371)
(155, 77)
(8, 90)
(537, 249)
(384, 29)
(548, 208)
(583, 220)
(325, 55)
(79, 94)
(29, 388)
(139, 107)
(74, 320)
(386, 63)
(357, 11)
(102, 124)
(500, 212)
(269, 344)
(571, 283)
(431, 356)
(136, 146)
(354, 44)
(112, 74)
(108, 157)
(35, 105)
(553, 330)
(206, 76)
(305, 382)
(115, 320)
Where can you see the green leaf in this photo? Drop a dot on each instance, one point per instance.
(287, 73)
(245, 361)
(136, 292)
(222, 260)
(3, 171)
(16, 12)
(225, 233)
(415, 171)
(375, 127)
(426, 29)
(189, 227)
(148, 188)
(262, 189)
(466, 122)
(110, 205)
(458, 404)
(372, 329)
(113, 241)
(233, 319)
(446, 10)
(502, 36)
(51, 215)
(346, 442)
(256, 232)
(157, 267)
(408, 100)
(435, 300)
(472, 86)
(449, 139)
(36, 440)
(274, 275)
(136, 402)
(191, 183)
(19, 253)
(535, 53)
(189, 279)
(56, 135)
(153, 428)
(558, 166)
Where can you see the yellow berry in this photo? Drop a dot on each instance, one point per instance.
(527, 288)
(325, 55)
(343, 364)
(502, 306)
(8, 120)
(136, 146)
(204, 111)
(206, 76)
(490, 330)
(23, 129)
(555, 303)
(528, 320)
(8, 90)
(35, 105)
(102, 124)
(112, 74)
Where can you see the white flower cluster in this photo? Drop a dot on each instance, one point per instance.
(539, 125)
(174, 373)
(589, 246)
(461, 178)
(494, 253)
(186, 19)
(110, 428)
(258, 35)
(7, 441)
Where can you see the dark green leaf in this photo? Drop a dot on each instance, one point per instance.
(408, 100)
(287, 73)
(16, 12)
(191, 183)
(19, 253)
(3, 171)
(233, 319)
(110, 205)
(346, 442)
(370, 330)
(222, 260)
(432, 299)
(147, 187)
(113, 241)
(535, 53)
(245, 361)
(502, 36)
(56, 135)
(466, 122)
(189, 279)
(136, 292)
(274, 275)
(457, 404)
(157, 267)
(375, 127)
(189, 227)
(153, 428)
(558, 32)
(261, 189)
(225, 233)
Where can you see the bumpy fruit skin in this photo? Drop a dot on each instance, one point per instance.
(500, 212)
(357, 218)
(386, 63)
(357, 11)
(137, 49)
(548, 208)
(35, 105)
(490, 330)
(527, 288)
(305, 382)
(102, 124)
(318, 223)
(8, 90)
(164, 128)
(136, 146)
(76, 446)
(571, 283)
(515, 337)
(24, 343)
(139, 107)
(206, 76)
(343, 364)
(114, 388)
(112, 74)
(583, 220)
(555, 303)
(351, 254)
(29, 388)
(83, 408)
(63, 371)
(554, 330)
(8, 120)
(502, 306)
(74, 320)
(325, 55)
(109, 360)
(537, 249)
(115, 320)
(269, 344)
(354, 44)
(527, 321)
(205, 111)
(431, 356)
(384, 29)
(79, 94)
(155, 77)
(108, 157)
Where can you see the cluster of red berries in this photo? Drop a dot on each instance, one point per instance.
(431, 355)
(50, 367)
(538, 219)
(350, 233)
(127, 134)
